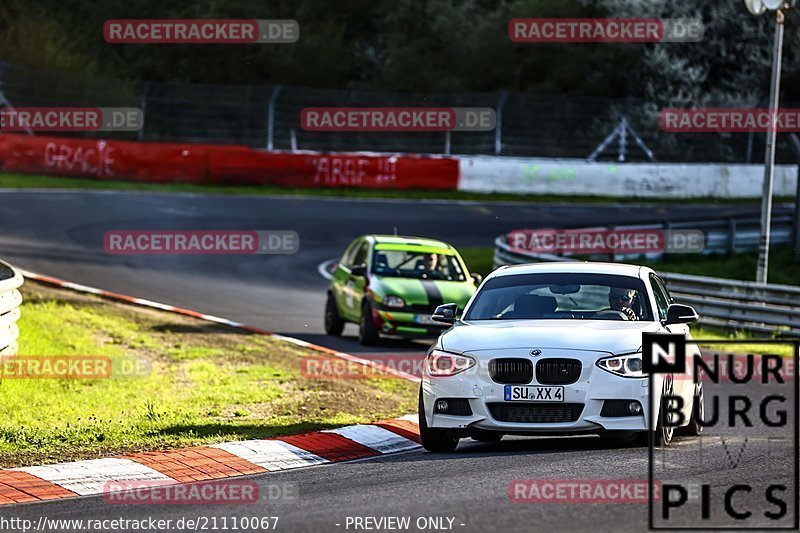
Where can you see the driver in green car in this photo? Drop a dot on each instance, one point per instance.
(433, 266)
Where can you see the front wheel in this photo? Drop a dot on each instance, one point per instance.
(662, 435)
(434, 440)
(698, 413)
(334, 325)
(367, 333)
(665, 432)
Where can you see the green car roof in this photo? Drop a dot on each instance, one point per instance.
(411, 242)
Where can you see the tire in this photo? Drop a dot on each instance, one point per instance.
(487, 436)
(663, 433)
(334, 325)
(434, 440)
(367, 334)
(694, 429)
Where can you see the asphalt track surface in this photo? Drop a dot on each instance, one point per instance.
(61, 234)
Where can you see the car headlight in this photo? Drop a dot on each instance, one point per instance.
(394, 301)
(444, 364)
(627, 365)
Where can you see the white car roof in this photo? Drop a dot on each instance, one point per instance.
(592, 267)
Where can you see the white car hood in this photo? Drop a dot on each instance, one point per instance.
(610, 336)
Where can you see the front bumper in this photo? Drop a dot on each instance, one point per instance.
(593, 387)
(406, 324)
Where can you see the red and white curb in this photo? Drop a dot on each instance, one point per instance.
(224, 460)
(202, 463)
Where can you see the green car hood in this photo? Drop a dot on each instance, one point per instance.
(423, 292)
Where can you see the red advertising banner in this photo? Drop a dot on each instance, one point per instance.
(370, 171)
(221, 165)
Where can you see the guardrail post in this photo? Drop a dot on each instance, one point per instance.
(794, 141)
(796, 224)
(143, 106)
(498, 129)
(271, 115)
(732, 238)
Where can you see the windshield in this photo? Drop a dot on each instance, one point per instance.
(559, 296)
(417, 265)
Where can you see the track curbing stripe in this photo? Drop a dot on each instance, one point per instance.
(271, 454)
(375, 437)
(90, 476)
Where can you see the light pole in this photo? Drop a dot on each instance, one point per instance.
(757, 7)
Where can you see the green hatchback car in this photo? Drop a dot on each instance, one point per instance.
(391, 285)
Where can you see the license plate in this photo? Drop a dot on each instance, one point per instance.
(426, 320)
(516, 393)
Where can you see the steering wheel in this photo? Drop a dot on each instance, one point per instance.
(612, 314)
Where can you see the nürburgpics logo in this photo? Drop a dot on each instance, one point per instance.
(746, 407)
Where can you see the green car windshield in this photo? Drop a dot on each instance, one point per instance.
(433, 263)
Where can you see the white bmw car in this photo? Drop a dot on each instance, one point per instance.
(554, 349)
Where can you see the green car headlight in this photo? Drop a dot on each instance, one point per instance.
(394, 301)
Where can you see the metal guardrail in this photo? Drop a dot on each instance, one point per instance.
(736, 234)
(723, 303)
(10, 300)
(720, 235)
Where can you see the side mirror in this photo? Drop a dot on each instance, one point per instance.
(681, 314)
(476, 278)
(446, 314)
(359, 270)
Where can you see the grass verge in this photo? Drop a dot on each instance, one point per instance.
(13, 181)
(203, 383)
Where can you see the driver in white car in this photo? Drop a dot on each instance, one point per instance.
(621, 299)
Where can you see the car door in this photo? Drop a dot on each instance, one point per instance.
(341, 277)
(357, 285)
